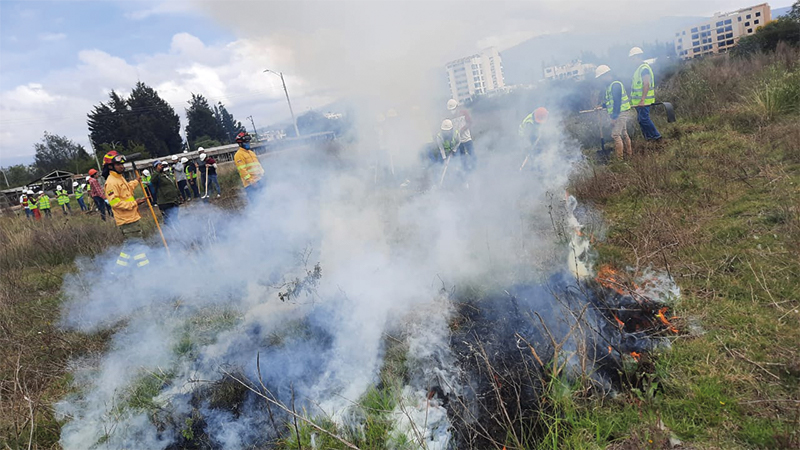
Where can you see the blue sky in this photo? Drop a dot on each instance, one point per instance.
(60, 58)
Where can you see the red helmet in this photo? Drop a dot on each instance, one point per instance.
(92, 172)
(540, 114)
(242, 137)
(113, 157)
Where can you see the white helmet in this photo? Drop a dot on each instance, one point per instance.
(146, 172)
(635, 51)
(30, 192)
(174, 157)
(88, 177)
(203, 156)
(74, 184)
(447, 125)
(41, 192)
(186, 151)
(58, 188)
(200, 149)
(601, 70)
(452, 104)
(83, 186)
(184, 160)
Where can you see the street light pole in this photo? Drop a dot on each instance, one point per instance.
(254, 126)
(285, 91)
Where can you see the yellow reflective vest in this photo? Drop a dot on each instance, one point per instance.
(637, 87)
(44, 202)
(249, 167)
(120, 196)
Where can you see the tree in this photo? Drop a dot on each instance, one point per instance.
(201, 121)
(19, 175)
(142, 121)
(228, 126)
(59, 153)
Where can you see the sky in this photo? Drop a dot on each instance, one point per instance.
(59, 58)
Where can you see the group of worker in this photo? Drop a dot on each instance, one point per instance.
(618, 102)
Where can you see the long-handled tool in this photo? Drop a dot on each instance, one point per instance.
(529, 153)
(669, 110)
(147, 199)
(206, 193)
(444, 171)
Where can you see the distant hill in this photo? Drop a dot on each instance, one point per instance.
(522, 64)
(781, 12)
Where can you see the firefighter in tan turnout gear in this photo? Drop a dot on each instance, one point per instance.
(249, 167)
(125, 206)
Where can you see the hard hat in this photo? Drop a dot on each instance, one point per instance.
(203, 156)
(601, 70)
(74, 184)
(88, 178)
(146, 172)
(114, 157)
(41, 192)
(242, 137)
(184, 160)
(157, 162)
(92, 172)
(58, 188)
(200, 149)
(30, 192)
(83, 186)
(447, 125)
(635, 51)
(174, 157)
(186, 151)
(452, 104)
(540, 114)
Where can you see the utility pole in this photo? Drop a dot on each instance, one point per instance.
(254, 126)
(4, 176)
(285, 91)
(94, 152)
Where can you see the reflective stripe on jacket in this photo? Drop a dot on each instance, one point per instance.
(625, 101)
(44, 202)
(79, 192)
(63, 197)
(249, 167)
(637, 88)
(120, 196)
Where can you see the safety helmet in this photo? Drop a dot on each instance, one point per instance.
(74, 184)
(200, 149)
(83, 186)
(447, 125)
(184, 160)
(156, 163)
(113, 157)
(41, 192)
(146, 172)
(30, 192)
(174, 157)
(58, 188)
(92, 172)
(540, 114)
(88, 178)
(242, 137)
(186, 151)
(452, 104)
(601, 70)
(635, 51)
(203, 156)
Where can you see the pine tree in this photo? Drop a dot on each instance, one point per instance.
(59, 153)
(202, 124)
(228, 126)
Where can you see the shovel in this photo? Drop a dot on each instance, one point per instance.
(669, 109)
(147, 198)
(206, 193)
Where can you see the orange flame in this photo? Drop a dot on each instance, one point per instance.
(612, 279)
(663, 318)
(619, 322)
(636, 356)
(609, 349)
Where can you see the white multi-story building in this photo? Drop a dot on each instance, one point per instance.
(475, 74)
(576, 70)
(720, 33)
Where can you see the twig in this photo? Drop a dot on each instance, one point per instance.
(735, 353)
(296, 429)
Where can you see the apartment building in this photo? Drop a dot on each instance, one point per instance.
(721, 32)
(575, 70)
(475, 74)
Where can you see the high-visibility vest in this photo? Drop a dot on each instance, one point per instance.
(638, 86)
(449, 144)
(190, 175)
(525, 122)
(44, 202)
(626, 103)
(63, 197)
(79, 192)
(32, 204)
(146, 179)
(26, 202)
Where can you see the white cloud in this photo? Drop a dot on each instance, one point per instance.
(229, 72)
(52, 37)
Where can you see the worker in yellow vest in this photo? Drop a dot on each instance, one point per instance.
(125, 206)
(248, 165)
(618, 106)
(44, 204)
(63, 199)
(79, 190)
(643, 94)
(33, 204)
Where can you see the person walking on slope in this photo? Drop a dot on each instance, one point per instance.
(190, 168)
(618, 106)
(126, 210)
(211, 170)
(79, 190)
(249, 167)
(63, 199)
(163, 187)
(44, 204)
(643, 94)
(97, 194)
(26, 205)
(462, 122)
(180, 177)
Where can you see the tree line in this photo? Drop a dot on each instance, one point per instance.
(142, 122)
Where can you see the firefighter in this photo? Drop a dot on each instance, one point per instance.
(79, 190)
(249, 167)
(63, 199)
(618, 106)
(125, 206)
(44, 204)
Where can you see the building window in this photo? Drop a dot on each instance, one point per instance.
(695, 43)
(720, 30)
(747, 24)
(720, 37)
(755, 22)
(729, 28)
(680, 39)
(758, 14)
(749, 30)
(729, 35)
(694, 30)
(727, 21)
(695, 36)
(729, 42)
(719, 24)
(739, 18)
(748, 16)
